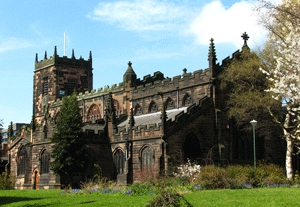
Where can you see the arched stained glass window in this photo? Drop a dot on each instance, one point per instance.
(187, 100)
(147, 158)
(119, 161)
(170, 104)
(93, 113)
(21, 161)
(45, 159)
(152, 107)
(137, 109)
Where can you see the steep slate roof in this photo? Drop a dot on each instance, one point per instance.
(153, 118)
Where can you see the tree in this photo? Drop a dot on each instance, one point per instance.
(69, 150)
(1, 127)
(243, 80)
(283, 22)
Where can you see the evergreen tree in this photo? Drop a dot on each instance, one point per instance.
(69, 150)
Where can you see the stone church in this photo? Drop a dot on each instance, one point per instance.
(137, 127)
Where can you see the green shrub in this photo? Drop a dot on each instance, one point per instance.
(169, 198)
(139, 188)
(238, 176)
(171, 182)
(7, 181)
(297, 177)
(212, 177)
(269, 174)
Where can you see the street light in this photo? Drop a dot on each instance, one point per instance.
(253, 123)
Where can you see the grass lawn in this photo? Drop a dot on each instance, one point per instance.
(246, 197)
(242, 197)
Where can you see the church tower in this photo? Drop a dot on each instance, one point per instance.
(55, 77)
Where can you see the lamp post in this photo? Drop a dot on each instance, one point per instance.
(253, 123)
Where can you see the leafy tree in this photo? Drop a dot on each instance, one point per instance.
(283, 22)
(1, 127)
(10, 131)
(247, 99)
(69, 150)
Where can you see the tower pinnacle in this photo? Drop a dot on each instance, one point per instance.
(212, 51)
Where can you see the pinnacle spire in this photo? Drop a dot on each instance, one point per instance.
(212, 51)
(131, 119)
(55, 51)
(45, 55)
(90, 58)
(73, 56)
(129, 69)
(36, 57)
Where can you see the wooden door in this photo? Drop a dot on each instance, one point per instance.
(36, 179)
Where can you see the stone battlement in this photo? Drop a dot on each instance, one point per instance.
(64, 60)
(198, 77)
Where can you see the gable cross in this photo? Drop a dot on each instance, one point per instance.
(245, 38)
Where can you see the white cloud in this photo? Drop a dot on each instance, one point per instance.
(214, 20)
(226, 25)
(13, 43)
(141, 15)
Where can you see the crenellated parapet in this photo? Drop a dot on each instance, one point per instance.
(139, 132)
(186, 80)
(101, 91)
(226, 61)
(64, 60)
(155, 129)
(191, 113)
(150, 79)
(57, 60)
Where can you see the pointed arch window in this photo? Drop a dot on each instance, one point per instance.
(170, 104)
(21, 161)
(137, 109)
(152, 107)
(119, 161)
(56, 117)
(191, 147)
(45, 159)
(187, 100)
(147, 158)
(45, 130)
(117, 108)
(93, 113)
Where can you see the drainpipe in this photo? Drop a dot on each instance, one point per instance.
(83, 109)
(103, 106)
(177, 97)
(6, 166)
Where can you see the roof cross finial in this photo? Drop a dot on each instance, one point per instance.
(245, 38)
(129, 64)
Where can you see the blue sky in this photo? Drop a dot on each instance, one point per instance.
(155, 35)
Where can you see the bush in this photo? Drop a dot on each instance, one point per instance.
(269, 174)
(148, 174)
(170, 182)
(7, 181)
(188, 171)
(239, 176)
(140, 188)
(169, 198)
(212, 177)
